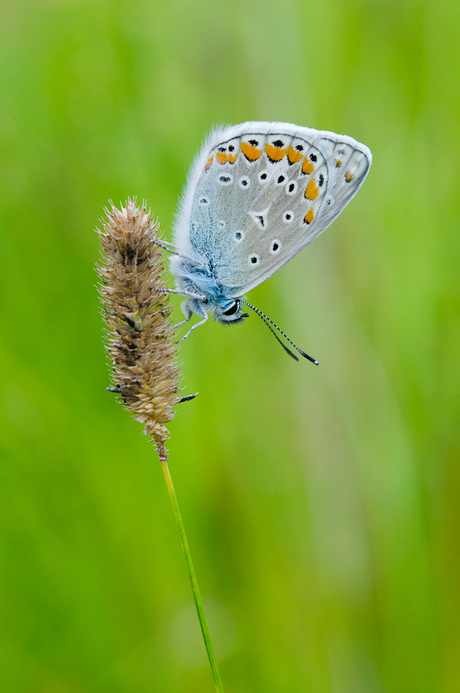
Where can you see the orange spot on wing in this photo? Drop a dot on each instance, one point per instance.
(221, 157)
(250, 151)
(274, 153)
(348, 177)
(307, 166)
(232, 158)
(209, 163)
(337, 162)
(312, 192)
(310, 215)
(293, 155)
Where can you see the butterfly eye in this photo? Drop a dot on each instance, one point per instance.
(233, 309)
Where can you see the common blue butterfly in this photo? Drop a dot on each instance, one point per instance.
(256, 195)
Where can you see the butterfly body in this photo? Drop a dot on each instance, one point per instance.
(257, 194)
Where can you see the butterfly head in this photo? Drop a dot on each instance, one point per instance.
(229, 312)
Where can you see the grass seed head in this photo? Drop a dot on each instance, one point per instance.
(139, 336)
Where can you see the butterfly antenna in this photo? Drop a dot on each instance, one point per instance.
(269, 322)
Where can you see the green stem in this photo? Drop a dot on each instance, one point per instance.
(193, 580)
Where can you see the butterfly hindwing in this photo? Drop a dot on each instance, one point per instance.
(351, 161)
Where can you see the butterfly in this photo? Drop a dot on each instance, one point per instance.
(257, 194)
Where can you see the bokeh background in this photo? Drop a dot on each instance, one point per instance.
(322, 504)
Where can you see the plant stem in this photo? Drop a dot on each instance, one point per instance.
(191, 572)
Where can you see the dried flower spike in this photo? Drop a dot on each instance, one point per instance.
(140, 339)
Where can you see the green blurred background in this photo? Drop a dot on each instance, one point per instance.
(322, 504)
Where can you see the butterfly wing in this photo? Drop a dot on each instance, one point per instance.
(352, 161)
(260, 192)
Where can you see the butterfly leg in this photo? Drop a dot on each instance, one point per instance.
(205, 317)
(169, 247)
(188, 312)
(182, 322)
(179, 292)
(187, 398)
